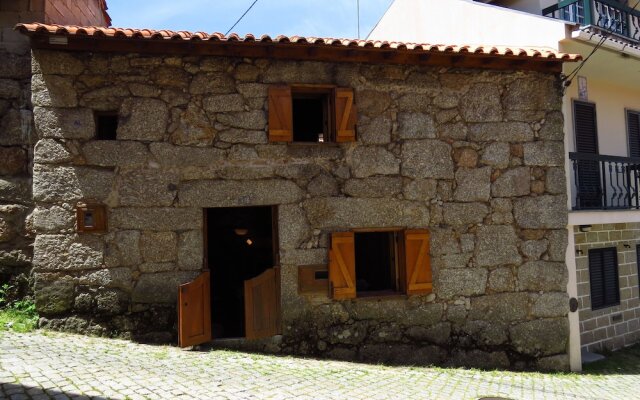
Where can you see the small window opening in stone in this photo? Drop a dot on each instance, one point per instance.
(376, 263)
(106, 125)
(310, 117)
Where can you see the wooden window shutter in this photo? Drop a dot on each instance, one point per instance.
(586, 129)
(346, 115)
(603, 277)
(633, 128)
(342, 266)
(280, 114)
(417, 261)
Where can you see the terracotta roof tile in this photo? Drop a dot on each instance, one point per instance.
(539, 54)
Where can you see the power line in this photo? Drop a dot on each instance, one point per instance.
(242, 16)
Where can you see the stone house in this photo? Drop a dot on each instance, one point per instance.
(348, 199)
(16, 122)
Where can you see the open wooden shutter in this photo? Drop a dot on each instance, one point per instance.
(262, 305)
(342, 266)
(280, 114)
(346, 115)
(194, 311)
(589, 180)
(633, 128)
(417, 261)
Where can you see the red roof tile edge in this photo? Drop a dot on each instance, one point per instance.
(538, 54)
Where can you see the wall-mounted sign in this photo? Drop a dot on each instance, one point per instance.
(583, 93)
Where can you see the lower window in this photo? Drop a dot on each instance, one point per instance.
(603, 275)
(380, 262)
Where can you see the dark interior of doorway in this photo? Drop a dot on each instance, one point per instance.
(239, 247)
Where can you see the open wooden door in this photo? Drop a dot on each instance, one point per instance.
(194, 311)
(262, 304)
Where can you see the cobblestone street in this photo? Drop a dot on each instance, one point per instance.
(46, 365)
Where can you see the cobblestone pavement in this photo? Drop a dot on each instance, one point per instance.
(47, 365)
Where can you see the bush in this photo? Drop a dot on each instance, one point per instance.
(19, 315)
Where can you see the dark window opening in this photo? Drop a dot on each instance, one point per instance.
(603, 276)
(376, 262)
(106, 126)
(311, 117)
(240, 246)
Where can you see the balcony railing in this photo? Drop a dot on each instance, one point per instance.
(605, 182)
(608, 15)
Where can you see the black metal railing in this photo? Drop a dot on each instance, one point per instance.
(605, 182)
(608, 15)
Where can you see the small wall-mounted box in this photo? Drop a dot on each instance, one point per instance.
(91, 218)
(313, 279)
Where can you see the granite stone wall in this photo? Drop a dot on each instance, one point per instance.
(475, 156)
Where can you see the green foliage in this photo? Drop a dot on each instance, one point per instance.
(19, 315)
(625, 361)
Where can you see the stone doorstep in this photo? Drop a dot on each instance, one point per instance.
(588, 357)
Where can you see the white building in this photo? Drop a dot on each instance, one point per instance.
(602, 137)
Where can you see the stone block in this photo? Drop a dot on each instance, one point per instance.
(479, 359)
(416, 126)
(108, 98)
(323, 185)
(161, 287)
(11, 129)
(542, 276)
(15, 190)
(75, 123)
(10, 89)
(178, 78)
(243, 136)
(115, 153)
(513, 182)
(444, 241)
(375, 130)
(180, 156)
(486, 333)
(14, 65)
(111, 302)
(54, 297)
(437, 334)
(342, 213)
(51, 184)
(497, 245)
(544, 153)
(223, 103)
(377, 186)
(549, 305)
(193, 128)
(238, 193)
(53, 91)
(464, 213)
(372, 102)
(555, 181)
(143, 119)
(541, 337)
(421, 189)
(554, 363)
(159, 246)
(502, 280)
(501, 132)
(253, 90)
(372, 160)
(553, 126)
(67, 253)
(453, 130)
(214, 82)
(147, 187)
(191, 250)
(112, 277)
(14, 161)
(282, 71)
(58, 62)
(295, 227)
(451, 283)
(542, 212)
(497, 155)
(473, 184)
(558, 242)
(503, 307)
(533, 94)
(127, 244)
(156, 219)
(50, 151)
(427, 159)
(53, 219)
(482, 103)
(251, 120)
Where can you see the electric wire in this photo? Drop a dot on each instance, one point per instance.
(242, 16)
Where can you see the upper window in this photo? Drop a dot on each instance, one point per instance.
(311, 114)
(372, 263)
(603, 275)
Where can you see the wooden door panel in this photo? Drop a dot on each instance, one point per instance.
(194, 311)
(262, 305)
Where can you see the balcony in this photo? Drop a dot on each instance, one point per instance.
(604, 182)
(606, 15)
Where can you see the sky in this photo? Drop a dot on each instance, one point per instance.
(318, 18)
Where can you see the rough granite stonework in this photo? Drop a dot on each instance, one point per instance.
(615, 327)
(438, 148)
